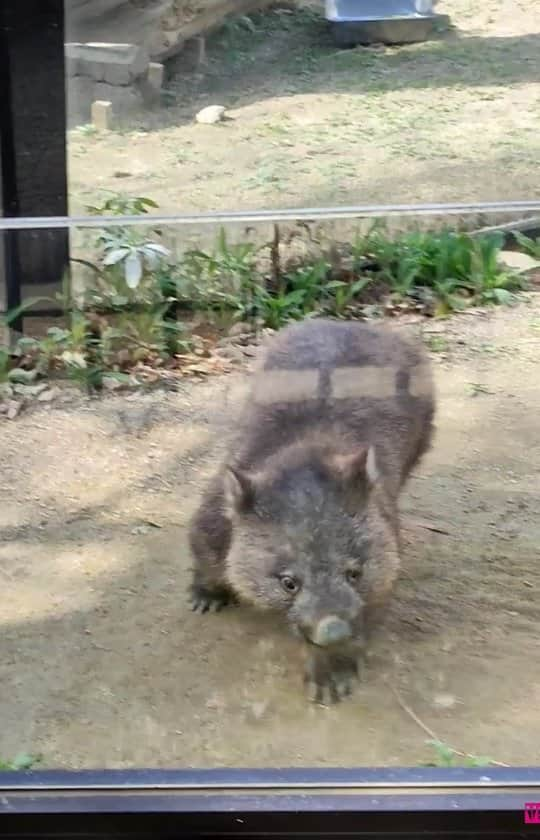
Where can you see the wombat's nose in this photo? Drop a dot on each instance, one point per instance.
(331, 630)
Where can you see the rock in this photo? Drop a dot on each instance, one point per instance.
(22, 376)
(519, 262)
(258, 709)
(13, 409)
(49, 395)
(211, 114)
(445, 701)
(70, 394)
(110, 383)
(74, 358)
(140, 530)
(240, 328)
(6, 391)
(137, 420)
(231, 352)
(30, 390)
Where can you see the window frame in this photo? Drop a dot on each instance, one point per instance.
(363, 802)
(249, 803)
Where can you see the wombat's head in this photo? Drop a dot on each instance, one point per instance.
(302, 541)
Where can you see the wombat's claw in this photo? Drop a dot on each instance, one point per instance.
(327, 685)
(204, 599)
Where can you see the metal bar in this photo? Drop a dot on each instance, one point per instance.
(254, 216)
(249, 803)
(289, 779)
(269, 788)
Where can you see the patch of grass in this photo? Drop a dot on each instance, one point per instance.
(446, 756)
(437, 273)
(222, 279)
(449, 270)
(87, 130)
(528, 245)
(267, 175)
(22, 761)
(128, 317)
(437, 344)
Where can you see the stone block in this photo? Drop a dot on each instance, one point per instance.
(155, 76)
(102, 115)
(116, 64)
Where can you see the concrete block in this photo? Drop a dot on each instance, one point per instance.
(116, 64)
(102, 115)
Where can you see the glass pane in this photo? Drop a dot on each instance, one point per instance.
(306, 121)
(115, 421)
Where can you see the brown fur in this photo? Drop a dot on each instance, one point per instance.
(339, 414)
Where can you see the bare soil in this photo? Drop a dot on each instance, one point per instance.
(103, 664)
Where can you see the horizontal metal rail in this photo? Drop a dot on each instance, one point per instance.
(363, 780)
(261, 216)
(495, 803)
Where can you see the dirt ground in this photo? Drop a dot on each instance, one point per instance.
(103, 664)
(455, 119)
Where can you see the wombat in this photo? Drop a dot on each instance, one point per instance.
(302, 518)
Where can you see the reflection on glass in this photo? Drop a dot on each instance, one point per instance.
(149, 479)
(267, 111)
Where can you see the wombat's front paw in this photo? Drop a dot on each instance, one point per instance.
(205, 599)
(330, 677)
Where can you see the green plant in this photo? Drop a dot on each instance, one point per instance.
(446, 756)
(453, 269)
(300, 293)
(22, 761)
(122, 205)
(4, 365)
(142, 336)
(277, 310)
(342, 294)
(134, 257)
(129, 263)
(71, 351)
(528, 245)
(310, 281)
(224, 278)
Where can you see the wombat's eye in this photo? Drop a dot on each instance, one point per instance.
(289, 584)
(353, 575)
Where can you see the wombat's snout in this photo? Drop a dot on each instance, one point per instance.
(330, 631)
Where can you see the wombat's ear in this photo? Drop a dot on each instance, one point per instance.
(239, 491)
(357, 471)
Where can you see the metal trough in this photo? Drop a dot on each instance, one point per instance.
(383, 21)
